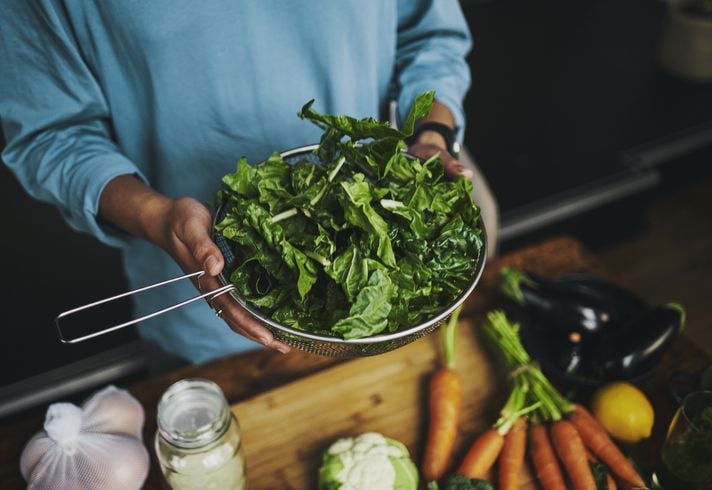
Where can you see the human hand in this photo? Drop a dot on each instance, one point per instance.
(452, 166)
(182, 229)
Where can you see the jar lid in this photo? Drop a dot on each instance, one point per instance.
(193, 413)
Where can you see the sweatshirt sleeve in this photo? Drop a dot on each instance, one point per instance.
(433, 41)
(56, 121)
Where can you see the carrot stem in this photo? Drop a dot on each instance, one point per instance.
(449, 338)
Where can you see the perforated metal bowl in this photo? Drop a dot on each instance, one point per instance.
(335, 346)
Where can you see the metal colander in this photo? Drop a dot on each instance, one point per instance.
(310, 342)
(333, 346)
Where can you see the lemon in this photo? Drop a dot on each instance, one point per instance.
(624, 411)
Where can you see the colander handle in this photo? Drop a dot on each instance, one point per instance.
(210, 296)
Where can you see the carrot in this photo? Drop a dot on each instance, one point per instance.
(482, 455)
(572, 453)
(444, 404)
(443, 407)
(547, 467)
(596, 438)
(511, 460)
(610, 482)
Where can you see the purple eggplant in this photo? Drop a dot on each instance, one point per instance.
(575, 303)
(638, 349)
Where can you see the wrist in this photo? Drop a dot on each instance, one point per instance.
(129, 204)
(154, 217)
(433, 138)
(436, 134)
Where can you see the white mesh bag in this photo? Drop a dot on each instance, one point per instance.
(97, 446)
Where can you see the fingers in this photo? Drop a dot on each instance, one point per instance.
(450, 164)
(453, 167)
(202, 248)
(192, 247)
(241, 321)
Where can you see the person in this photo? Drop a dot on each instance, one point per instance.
(126, 115)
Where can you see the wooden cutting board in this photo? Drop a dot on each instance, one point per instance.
(286, 430)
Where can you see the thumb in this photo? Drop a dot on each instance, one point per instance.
(203, 249)
(454, 167)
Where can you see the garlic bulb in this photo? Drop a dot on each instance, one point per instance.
(113, 410)
(96, 446)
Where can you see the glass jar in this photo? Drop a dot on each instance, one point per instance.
(198, 442)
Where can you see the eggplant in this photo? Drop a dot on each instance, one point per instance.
(574, 303)
(638, 349)
(570, 354)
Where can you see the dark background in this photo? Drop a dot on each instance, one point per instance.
(568, 116)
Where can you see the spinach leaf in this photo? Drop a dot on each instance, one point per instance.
(356, 202)
(260, 220)
(358, 129)
(369, 314)
(243, 180)
(459, 482)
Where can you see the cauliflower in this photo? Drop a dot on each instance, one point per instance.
(367, 462)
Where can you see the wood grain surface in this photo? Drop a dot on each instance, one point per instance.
(286, 430)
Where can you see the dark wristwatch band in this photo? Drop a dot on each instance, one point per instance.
(449, 135)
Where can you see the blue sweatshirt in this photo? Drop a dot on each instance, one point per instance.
(175, 91)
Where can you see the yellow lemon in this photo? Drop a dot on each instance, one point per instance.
(624, 411)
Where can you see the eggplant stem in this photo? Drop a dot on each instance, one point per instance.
(681, 310)
(511, 281)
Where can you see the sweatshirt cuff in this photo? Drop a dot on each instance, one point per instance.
(91, 179)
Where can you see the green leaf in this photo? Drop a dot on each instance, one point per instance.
(358, 129)
(369, 314)
(600, 475)
(272, 233)
(459, 482)
(273, 179)
(359, 212)
(413, 218)
(243, 180)
(350, 270)
(419, 109)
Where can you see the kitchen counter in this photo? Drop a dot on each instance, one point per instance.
(244, 376)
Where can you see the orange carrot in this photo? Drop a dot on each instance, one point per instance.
(596, 438)
(511, 460)
(572, 453)
(482, 455)
(610, 482)
(444, 405)
(547, 467)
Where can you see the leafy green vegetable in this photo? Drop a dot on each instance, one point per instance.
(600, 475)
(459, 482)
(369, 241)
